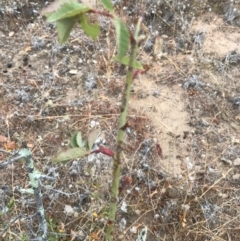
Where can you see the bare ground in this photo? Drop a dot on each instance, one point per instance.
(183, 140)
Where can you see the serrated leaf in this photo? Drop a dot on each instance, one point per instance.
(92, 137)
(67, 10)
(92, 30)
(70, 154)
(107, 4)
(125, 61)
(54, 6)
(122, 37)
(64, 27)
(79, 139)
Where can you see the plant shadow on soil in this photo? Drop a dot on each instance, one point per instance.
(183, 140)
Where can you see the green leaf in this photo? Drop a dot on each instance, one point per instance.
(54, 6)
(11, 203)
(92, 137)
(73, 141)
(122, 37)
(64, 27)
(76, 140)
(79, 140)
(67, 10)
(107, 4)
(70, 154)
(125, 61)
(92, 30)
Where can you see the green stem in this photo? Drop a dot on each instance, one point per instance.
(120, 137)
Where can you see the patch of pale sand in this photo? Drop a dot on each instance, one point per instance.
(167, 113)
(219, 38)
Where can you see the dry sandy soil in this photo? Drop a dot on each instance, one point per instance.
(187, 104)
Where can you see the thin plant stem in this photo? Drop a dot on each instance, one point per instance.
(120, 137)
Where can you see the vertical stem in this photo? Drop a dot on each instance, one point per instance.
(120, 137)
(34, 177)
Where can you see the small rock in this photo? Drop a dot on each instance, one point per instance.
(156, 94)
(68, 210)
(193, 82)
(124, 207)
(223, 195)
(133, 229)
(234, 140)
(73, 71)
(123, 223)
(236, 176)
(94, 123)
(236, 162)
(138, 212)
(236, 101)
(11, 34)
(226, 161)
